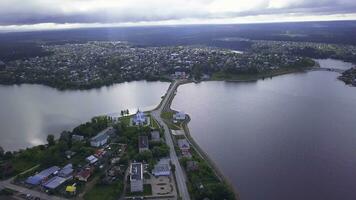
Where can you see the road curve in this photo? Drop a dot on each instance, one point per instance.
(180, 175)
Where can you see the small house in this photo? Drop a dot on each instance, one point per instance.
(142, 143)
(155, 136)
(91, 159)
(179, 116)
(184, 145)
(84, 174)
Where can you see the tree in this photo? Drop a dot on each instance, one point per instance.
(1, 152)
(50, 140)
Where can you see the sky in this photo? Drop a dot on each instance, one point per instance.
(54, 14)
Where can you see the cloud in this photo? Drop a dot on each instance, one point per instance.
(28, 12)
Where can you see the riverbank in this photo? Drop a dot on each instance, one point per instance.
(221, 76)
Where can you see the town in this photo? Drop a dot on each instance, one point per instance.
(139, 155)
(99, 63)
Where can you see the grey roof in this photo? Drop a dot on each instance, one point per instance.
(142, 142)
(136, 171)
(161, 168)
(103, 135)
(66, 170)
(155, 135)
(54, 182)
(36, 179)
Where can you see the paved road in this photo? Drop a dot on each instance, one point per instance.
(180, 175)
(23, 190)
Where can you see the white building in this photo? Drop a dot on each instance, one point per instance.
(179, 116)
(101, 138)
(139, 118)
(136, 177)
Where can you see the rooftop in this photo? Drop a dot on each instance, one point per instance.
(102, 135)
(143, 142)
(136, 171)
(54, 182)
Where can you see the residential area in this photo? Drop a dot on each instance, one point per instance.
(106, 158)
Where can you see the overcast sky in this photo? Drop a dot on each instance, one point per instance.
(43, 14)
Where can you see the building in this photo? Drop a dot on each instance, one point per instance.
(142, 143)
(42, 176)
(102, 137)
(179, 116)
(77, 138)
(66, 171)
(155, 136)
(192, 165)
(54, 182)
(139, 118)
(91, 159)
(184, 145)
(136, 177)
(162, 168)
(84, 174)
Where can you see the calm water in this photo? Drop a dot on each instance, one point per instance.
(291, 137)
(28, 113)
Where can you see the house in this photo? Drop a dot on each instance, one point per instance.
(155, 136)
(184, 146)
(91, 159)
(179, 116)
(54, 182)
(102, 137)
(192, 165)
(84, 174)
(139, 118)
(69, 154)
(42, 176)
(136, 177)
(162, 168)
(77, 138)
(66, 171)
(142, 143)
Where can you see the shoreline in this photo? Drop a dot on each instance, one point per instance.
(199, 150)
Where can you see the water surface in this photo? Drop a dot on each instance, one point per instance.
(291, 137)
(28, 113)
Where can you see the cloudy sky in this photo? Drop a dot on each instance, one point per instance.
(49, 14)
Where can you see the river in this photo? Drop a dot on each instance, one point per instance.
(28, 113)
(290, 137)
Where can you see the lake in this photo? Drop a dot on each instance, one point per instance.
(28, 113)
(290, 137)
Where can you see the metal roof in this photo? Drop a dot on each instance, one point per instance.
(54, 182)
(136, 171)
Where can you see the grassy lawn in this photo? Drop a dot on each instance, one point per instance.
(105, 192)
(167, 115)
(126, 120)
(154, 123)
